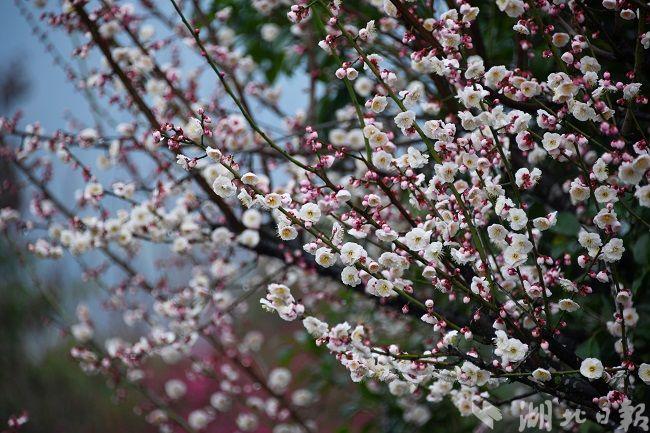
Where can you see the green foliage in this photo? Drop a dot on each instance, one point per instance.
(497, 34)
(567, 224)
(58, 396)
(641, 250)
(272, 57)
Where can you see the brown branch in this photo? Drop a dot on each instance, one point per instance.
(233, 222)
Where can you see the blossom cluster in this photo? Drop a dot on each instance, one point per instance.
(459, 223)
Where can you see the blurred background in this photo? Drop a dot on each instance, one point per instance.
(36, 372)
(38, 377)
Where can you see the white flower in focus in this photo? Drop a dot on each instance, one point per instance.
(541, 375)
(515, 350)
(495, 75)
(631, 90)
(382, 160)
(568, 305)
(272, 200)
(514, 257)
(183, 161)
(378, 103)
(521, 243)
(416, 159)
(469, 160)
(497, 233)
(378, 139)
(350, 253)
(446, 171)
(350, 276)
(223, 187)
(280, 299)
(405, 119)
(578, 192)
(600, 170)
(517, 218)
(591, 368)
(606, 218)
(583, 112)
(613, 250)
(590, 241)
(325, 257)
(287, 232)
(527, 179)
(530, 89)
(380, 287)
(474, 70)
(386, 235)
(545, 223)
(512, 8)
(433, 251)
(417, 239)
(605, 194)
(310, 212)
(551, 141)
(471, 97)
(250, 179)
(509, 349)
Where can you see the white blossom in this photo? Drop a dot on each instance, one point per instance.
(591, 368)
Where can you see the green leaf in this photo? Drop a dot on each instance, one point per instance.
(567, 224)
(641, 250)
(589, 348)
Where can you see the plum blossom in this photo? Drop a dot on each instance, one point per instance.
(591, 368)
(443, 222)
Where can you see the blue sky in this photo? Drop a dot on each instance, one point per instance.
(50, 91)
(51, 95)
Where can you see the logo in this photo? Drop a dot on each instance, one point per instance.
(488, 414)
